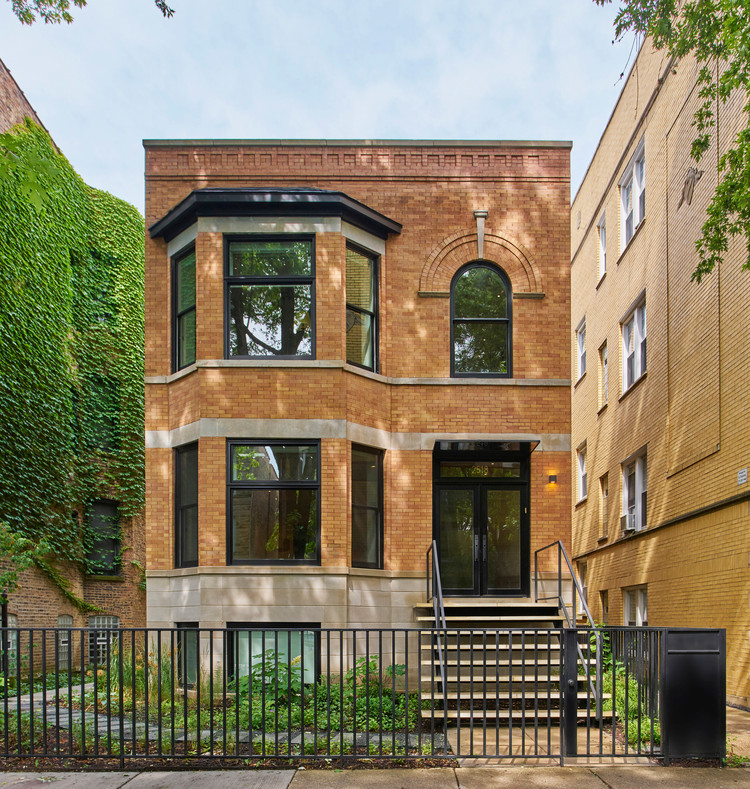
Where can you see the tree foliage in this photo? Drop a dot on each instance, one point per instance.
(717, 34)
(56, 11)
(71, 365)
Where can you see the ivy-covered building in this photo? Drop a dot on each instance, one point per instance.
(71, 387)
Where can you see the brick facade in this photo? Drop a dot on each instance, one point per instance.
(688, 414)
(432, 190)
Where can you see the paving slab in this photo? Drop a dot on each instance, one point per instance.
(526, 778)
(214, 779)
(668, 777)
(434, 778)
(65, 780)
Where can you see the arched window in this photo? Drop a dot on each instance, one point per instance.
(481, 326)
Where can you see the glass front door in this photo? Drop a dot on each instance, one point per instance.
(482, 526)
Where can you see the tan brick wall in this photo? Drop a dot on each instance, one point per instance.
(432, 191)
(690, 412)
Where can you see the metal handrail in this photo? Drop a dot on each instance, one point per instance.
(595, 687)
(435, 593)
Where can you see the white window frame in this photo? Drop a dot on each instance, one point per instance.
(633, 196)
(581, 476)
(635, 607)
(634, 492)
(602, 228)
(581, 347)
(604, 505)
(633, 330)
(603, 375)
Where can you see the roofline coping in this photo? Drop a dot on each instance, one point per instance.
(362, 143)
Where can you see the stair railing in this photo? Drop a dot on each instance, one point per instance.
(595, 686)
(435, 593)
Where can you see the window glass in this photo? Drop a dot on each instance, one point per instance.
(270, 298)
(258, 651)
(361, 315)
(274, 462)
(102, 538)
(184, 332)
(270, 258)
(367, 507)
(480, 322)
(102, 638)
(63, 636)
(188, 640)
(273, 502)
(186, 496)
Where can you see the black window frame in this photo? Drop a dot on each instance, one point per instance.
(508, 320)
(176, 315)
(379, 454)
(178, 509)
(230, 280)
(272, 485)
(232, 628)
(374, 323)
(115, 569)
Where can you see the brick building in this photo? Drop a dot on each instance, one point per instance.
(352, 348)
(113, 591)
(660, 440)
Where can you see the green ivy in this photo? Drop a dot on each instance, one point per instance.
(71, 349)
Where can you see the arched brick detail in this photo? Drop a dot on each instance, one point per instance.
(461, 248)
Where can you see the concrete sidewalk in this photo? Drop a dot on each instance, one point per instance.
(625, 777)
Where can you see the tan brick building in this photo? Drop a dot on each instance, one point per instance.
(660, 440)
(352, 347)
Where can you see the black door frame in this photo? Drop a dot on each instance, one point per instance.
(477, 452)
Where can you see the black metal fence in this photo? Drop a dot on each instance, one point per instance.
(246, 693)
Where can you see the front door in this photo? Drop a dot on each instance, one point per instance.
(482, 525)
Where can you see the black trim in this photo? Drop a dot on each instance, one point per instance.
(275, 485)
(378, 453)
(508, 320)
(178, 527)
(292, 201)
(234, 279)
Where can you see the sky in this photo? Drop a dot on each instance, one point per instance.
(320, 69)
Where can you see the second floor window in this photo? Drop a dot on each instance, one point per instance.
(183, 299)
(102, 538)
(270, 297)
(361, 309)
(481, 325)
(186, 506)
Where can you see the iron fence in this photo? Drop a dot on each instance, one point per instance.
(259, 693)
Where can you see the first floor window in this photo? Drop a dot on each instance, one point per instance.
(102, 538)
(259, 648)
(634, 493)
(634, 345)
(582, 476)
(187, 653)
(635, 607)
(274, 494)
(186, 506)
(604, 606)
(9, 645)
(270, 298)
(581, 347)
(367, 507)
(102, 637)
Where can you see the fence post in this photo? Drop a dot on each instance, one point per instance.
(570, 692)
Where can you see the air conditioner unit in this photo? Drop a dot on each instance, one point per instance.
(627, 523)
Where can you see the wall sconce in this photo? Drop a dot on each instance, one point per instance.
(553, 479)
